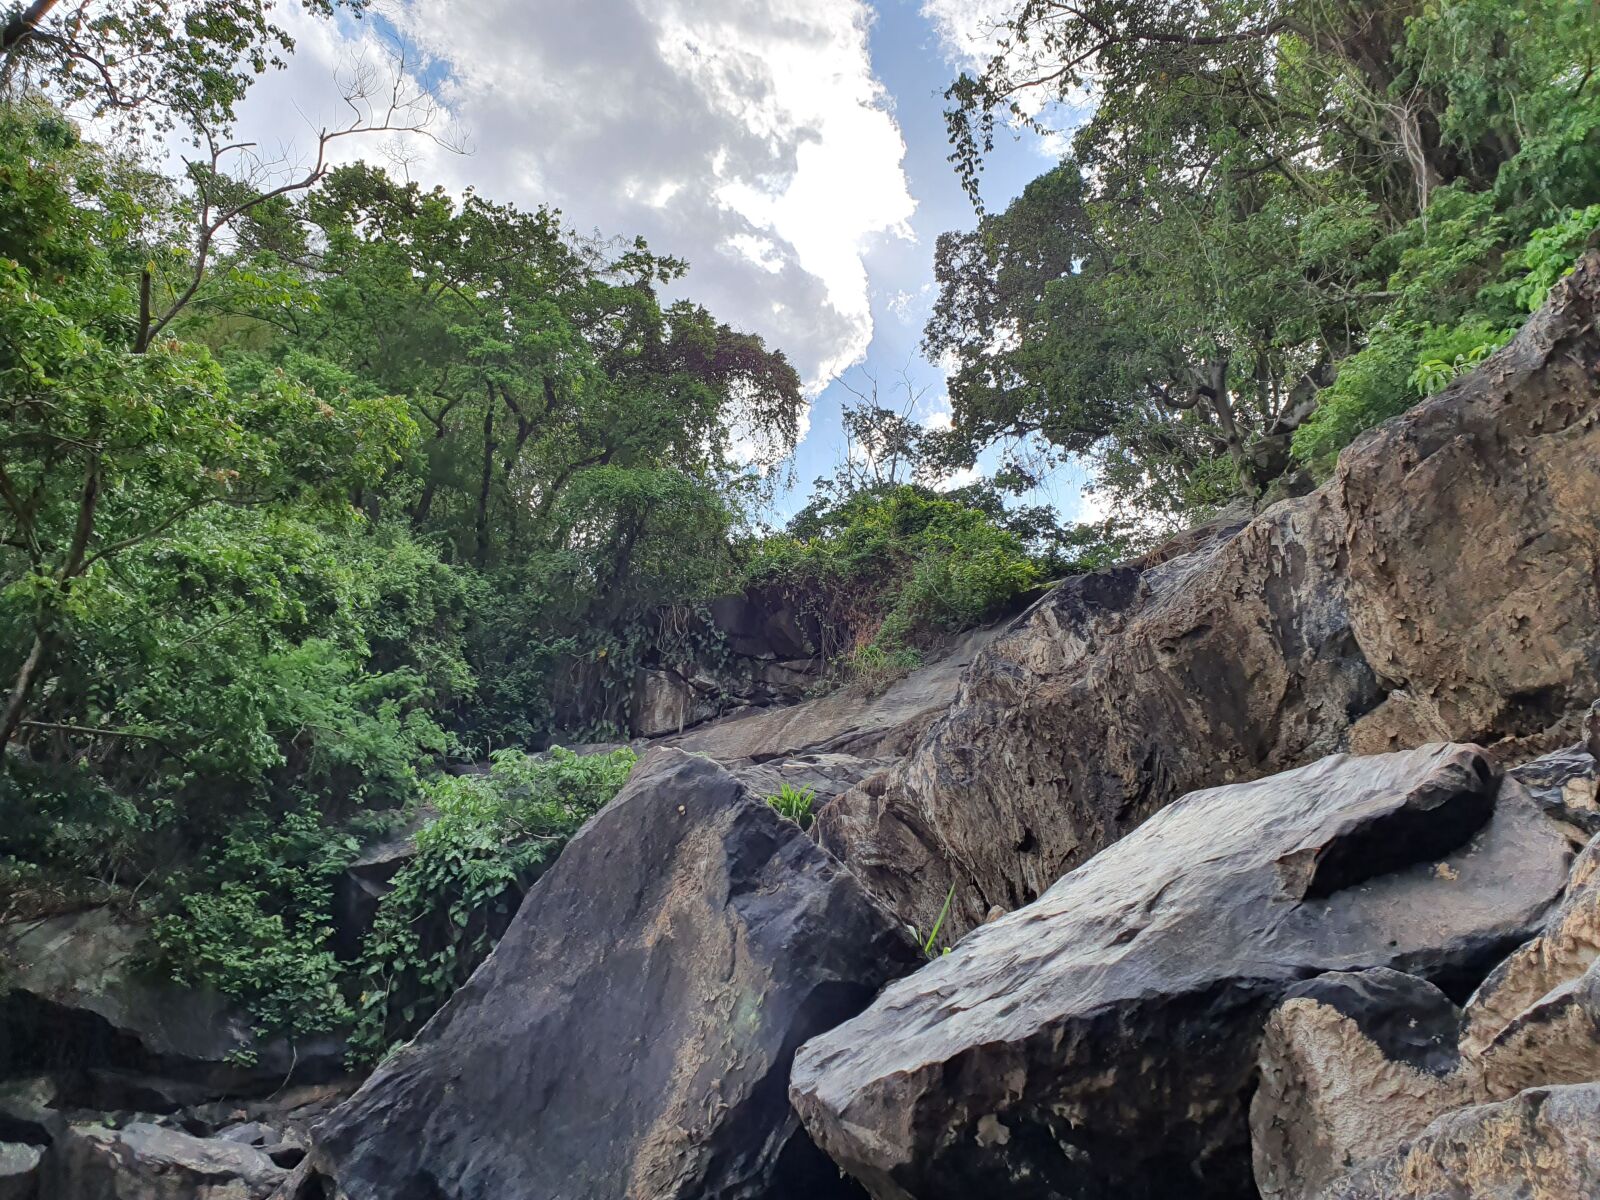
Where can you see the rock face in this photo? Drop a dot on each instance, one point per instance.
(1100, 1042)
(631, 1035)
(147, 1162)
(1354, 1068)
(1439, 587)
(78, 998)
(19, 1171)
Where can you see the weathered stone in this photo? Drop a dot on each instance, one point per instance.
(1591, 725)
(1440, 586)
(79, 996)
(148, 1162)
(1538, 1145)
(1565, 785)
(19, 1170)
(1352, 1065)
(1099, 1042)
(631, 1035)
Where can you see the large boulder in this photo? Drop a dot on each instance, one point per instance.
(1439, 587)
(1356, 1066)
(80, 996)
(1102, 1041)
(631, 1035)
(148, 1162)
(19, 1171)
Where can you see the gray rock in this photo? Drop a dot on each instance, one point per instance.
(1439, 587)
(1539, 1145)
(147, 1162)
(29, 1110)
(632, 1033)
(1591, 726)
(80, 997)
(1565, 784)
(1100, 1041)
(19, 1171)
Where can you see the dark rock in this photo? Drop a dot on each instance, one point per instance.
(631, 1035)
(1407, 1018)
(367, 880)
(30, 1111)
(1564, 784)
(19, 1171)
(1439, 587)
(147, 1162)
(1102, 1041)
(79, 998)
(1539, 1145)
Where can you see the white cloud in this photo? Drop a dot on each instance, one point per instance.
(749, 137)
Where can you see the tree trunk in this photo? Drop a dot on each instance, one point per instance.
(17, 702)
(481, 554)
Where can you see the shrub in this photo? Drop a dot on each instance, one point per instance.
(493, 835)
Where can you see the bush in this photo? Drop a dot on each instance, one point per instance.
(894, 568)
(493, 835)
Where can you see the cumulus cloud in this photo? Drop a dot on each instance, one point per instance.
(749, 137)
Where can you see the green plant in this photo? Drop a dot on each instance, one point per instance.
(794, 803)
(492, 837)
(927, 944)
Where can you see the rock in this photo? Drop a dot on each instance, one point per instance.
(1539, 1145)
(1352, 1065)
(1100, 1042)
(823, 775)
(78, 997)
(1564, 784)
(665, 702)
(1591, 726)
(1341, 1083)
(29, 1111)
(632, 1033)
(366, 881)
(147, 1162)
(19, 1171)
(1439, 587)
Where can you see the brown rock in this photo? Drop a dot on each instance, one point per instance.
(1440, 585)
(1539, 1145)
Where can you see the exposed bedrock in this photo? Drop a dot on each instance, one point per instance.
(632, 1033)
(1441, 586)
(1102, 1041)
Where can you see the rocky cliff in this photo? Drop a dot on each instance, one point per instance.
(1443, 585)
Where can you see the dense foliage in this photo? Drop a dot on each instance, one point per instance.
(1284, 221)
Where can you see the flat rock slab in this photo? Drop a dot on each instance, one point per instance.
(632, 1033)
(1101, 1042)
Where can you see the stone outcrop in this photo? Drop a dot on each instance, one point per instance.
(631, 1035)
(19, 1171)
(79, 997)
(1355, 1067)
(1099, 1041)
(1439, 587)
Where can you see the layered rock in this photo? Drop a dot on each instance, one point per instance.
(1440, 586)
(1100, 1041)
(631, 1035)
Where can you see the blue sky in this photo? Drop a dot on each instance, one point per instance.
(793, 151)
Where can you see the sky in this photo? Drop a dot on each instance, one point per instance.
(792, 151)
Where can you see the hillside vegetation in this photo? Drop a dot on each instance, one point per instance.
(315, 485)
